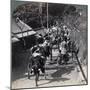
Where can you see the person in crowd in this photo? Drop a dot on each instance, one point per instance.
(63, 51)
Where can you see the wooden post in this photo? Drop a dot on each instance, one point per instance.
(51, 52)
(40, 11)
(47, 15)
(81, 68)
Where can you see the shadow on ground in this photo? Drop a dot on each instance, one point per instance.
(57, 76)
(54, 77)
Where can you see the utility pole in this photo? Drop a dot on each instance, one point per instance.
(47, 15)
(40, 11)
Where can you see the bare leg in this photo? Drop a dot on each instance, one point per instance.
(28, 71)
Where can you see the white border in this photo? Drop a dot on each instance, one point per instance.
(5, 44)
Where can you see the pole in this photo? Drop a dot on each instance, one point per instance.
(49, 29)
(47, 15)
(81, 68)
(40, 11)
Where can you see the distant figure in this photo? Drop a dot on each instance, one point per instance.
(67, 31)
(63, 52)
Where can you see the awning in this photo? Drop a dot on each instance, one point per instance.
(19, 30)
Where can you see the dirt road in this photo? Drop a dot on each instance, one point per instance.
(55, 76)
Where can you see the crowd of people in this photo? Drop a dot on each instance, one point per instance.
(57, 36)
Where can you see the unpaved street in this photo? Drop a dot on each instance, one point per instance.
(69, 74)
